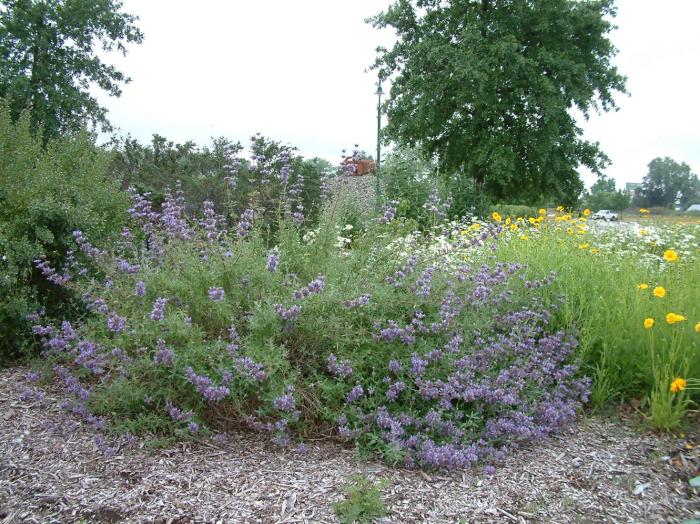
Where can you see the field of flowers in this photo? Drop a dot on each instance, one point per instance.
(435, 349)
(630, 291)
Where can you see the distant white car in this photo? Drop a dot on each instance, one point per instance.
(605, 214)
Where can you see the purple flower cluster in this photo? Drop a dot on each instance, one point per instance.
(172, 215)
(206, 387)
(43, 265)
(316, 286)
(158, 312)
(389, 213)
(423, 284)
(409, 267)
(289, 313)
(87, 248)
(406, 334)
(217, 294)
(245, 223)
(360, 301)
(210, 224)
(339, 369)
(355, 394)
(125, 267)
(163, 354)
(140, 288)
(273, 260)
(115, 323)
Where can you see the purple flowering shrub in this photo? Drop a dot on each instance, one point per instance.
(202, 324)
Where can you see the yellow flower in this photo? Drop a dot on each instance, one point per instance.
(475, 226)
(642, 210)
(507, 222)
(648, 323)
(586, 212)
(464, 232)
(569, 231)
(697, 327)
(543, 211)
(670, 255)
(583, 246)
(659, 292)
(523, 237)
(581, 219)
(642, 286)
(678, 385)
(496, 216)
(560, 208)
(673, 318)
(595, 250)
(532, 221)
(540, 219)
(643, 232)
(514, 227)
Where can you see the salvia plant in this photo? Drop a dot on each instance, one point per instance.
(207, 324)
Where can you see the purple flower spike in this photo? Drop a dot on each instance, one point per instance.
(158, 312)
(216, 294)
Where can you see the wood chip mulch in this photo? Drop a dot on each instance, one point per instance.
(51, 470)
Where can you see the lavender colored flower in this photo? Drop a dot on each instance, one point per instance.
(389, 213)
(116, 323)
(316, 286)
(245, 223)
(287, 314)
(273, 260)
(339, 369)
(140, 288)
(360, 301)
(205, 386)
(163, 354)
(216, 294)
(355, 393)
(158, 312)
(284, 402)
(210, 222)
(87, 248)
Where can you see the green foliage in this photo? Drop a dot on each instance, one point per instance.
(45, 194)
(409, 179)
(206, 172)
(615, 200)
(606, 306)
(48, 62)
(514, 211)
(669, 183)
(363, 502)
(488, 88)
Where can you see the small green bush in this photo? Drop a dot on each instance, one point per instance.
(46, 194)
(514, 211)
(363, 502)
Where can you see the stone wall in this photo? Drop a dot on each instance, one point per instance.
(357, 189)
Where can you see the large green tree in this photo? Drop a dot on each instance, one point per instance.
(48, 60)
(668, 183)
(489, 87)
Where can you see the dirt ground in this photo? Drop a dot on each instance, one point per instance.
(52, 470)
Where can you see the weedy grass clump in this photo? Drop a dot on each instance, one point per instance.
(362, 503)
(420, 358)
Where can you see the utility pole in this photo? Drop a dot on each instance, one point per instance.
(379, 93)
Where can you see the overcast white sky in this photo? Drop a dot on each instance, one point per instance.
(296, 71)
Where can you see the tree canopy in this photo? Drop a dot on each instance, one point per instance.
(668, 183)
(48, 60)
(489, 88)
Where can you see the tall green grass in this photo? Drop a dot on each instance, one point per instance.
(604, 303)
